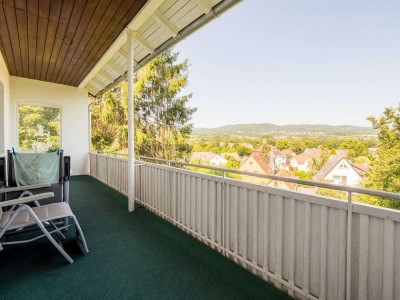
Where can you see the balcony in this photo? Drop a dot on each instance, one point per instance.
(308, 246)
(131, 256)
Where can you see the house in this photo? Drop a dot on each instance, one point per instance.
(233, 155)
(301, 162)
(313, 152)
(287, 153)
(276, 159)
(285, 167)
(256, 164)
(342, 152)
(243, 159)
(283, 184)
(340, 171)
(208, 158)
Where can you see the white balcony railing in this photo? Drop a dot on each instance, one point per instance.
(309, 246)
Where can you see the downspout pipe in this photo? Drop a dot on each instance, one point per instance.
(214, 13)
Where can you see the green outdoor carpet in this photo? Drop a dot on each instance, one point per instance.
(132, 255)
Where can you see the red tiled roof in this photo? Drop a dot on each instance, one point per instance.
(361, 169)
(262, 163)
(204, 157)
(313, 152)
(287, 152)
(284, 173)
(301, 158)
(342, 153)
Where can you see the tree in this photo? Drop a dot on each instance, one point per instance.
(162, 114)
(244, 151)
(310, 143)
(302, 175)
(362, 160)
(282, 144)
(264, 152)
(385, 169)
(31, 118)
(317, 163)
(356, 148)
(297, 146)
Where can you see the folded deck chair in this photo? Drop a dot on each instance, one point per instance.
(21, 216)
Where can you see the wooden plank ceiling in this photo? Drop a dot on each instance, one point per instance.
(60, 40)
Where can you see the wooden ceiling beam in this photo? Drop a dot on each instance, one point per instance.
(204, 5)
(98, 82)
(116, 68)
(106, 76)
(145, 44)
(165, 23)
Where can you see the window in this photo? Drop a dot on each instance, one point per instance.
(343, 166)
(340, 179)
(38, 128)
(250, 163)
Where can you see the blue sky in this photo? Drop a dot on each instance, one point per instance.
(292, 62)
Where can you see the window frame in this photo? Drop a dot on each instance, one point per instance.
(37, 103)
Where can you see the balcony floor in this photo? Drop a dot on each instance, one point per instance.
(132, 255)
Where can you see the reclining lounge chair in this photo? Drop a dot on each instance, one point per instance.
(27, 168)
(17, 216)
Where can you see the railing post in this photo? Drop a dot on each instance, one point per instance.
(97, 166)
(223, 207)
(107, 182)
(348, 254)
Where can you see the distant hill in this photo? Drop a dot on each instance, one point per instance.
(296, 129)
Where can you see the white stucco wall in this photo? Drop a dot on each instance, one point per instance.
(74, 115)
(4, 106)
(304, 166)
(300, 166)
(218, 161)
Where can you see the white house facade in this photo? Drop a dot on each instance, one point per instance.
(218, 161)
(344, 173)
(339, 170)
(300, 162)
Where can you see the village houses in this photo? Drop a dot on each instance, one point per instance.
(208, 158)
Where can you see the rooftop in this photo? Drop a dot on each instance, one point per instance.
(301, 158)
(131, 255)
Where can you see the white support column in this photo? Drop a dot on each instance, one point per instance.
(131, 125)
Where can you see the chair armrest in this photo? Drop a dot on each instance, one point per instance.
(26, 199)
(24, 188)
